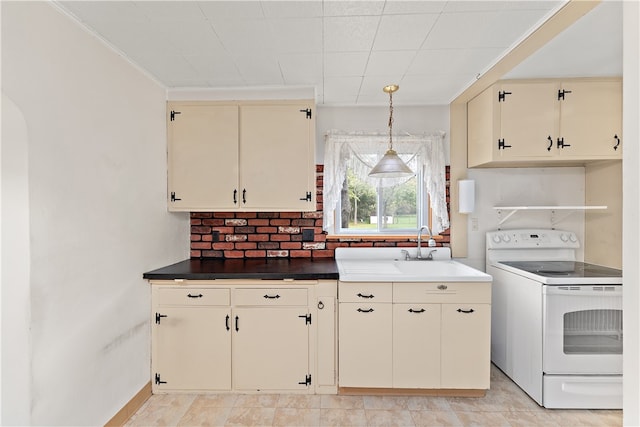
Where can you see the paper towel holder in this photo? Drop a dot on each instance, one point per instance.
(466, 196)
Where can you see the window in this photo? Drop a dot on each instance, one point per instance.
(354, 203)
(368, 207)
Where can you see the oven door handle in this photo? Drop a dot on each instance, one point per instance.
(585, 291)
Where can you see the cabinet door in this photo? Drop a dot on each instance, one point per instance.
(466, 337)
(277, 157)
(416, 345)
(528, 120)
(365, 345)
(202, 156)
(270, 348)
(591, 119)
(192, 348)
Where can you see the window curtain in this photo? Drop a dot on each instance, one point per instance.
(362, 151)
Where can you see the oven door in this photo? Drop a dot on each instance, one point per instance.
(582, 329)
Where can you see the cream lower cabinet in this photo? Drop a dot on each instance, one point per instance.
(426, 336)
(247, 337)
(191, 328)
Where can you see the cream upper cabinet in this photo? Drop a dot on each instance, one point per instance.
(545, 122)
(255, 156)
(203, 156)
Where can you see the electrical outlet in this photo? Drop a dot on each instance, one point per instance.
(474, 224)
(307, 235)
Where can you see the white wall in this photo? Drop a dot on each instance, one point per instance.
(524, 187)
(412, 119)
(631, 212)
(96, 211)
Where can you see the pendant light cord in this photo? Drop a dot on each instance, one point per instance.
(390, 119)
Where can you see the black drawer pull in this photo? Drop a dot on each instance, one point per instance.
(272, 296)
(422, 310)
(365, 311)
(365, 296)
(471, 310)
(194, 296)
(226, 322)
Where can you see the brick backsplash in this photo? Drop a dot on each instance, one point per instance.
(279, 234)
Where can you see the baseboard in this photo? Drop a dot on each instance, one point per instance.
(447, 392)
(131, 407)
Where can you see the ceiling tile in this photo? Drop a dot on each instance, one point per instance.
(245, 35)
(291, 9)
(173, 11)
(349, 34)
(259, 69)
(389, 62)
(303, 35)
(405, 7)
(301, 69)
(217, 11)
(353, 8)
(345, 63)
(403, 32)
(447, 61)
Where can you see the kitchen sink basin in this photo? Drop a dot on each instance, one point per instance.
(391, 265)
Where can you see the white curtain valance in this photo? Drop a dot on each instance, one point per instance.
(361, 151)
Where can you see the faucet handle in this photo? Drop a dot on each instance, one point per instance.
(406, 254)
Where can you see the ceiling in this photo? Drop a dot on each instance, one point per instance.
(348, 50)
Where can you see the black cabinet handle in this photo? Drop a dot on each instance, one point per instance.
(272, 296)
(226, 322)
(237, 327)
(194, 296)
(422, 310)
(365, 296)
(365, 311)
(244, 195)
(235, 196)
(471, 310)
(550, 143)
(615, 147)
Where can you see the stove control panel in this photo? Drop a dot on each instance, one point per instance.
(531, 238)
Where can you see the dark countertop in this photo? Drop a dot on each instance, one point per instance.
(248, 268)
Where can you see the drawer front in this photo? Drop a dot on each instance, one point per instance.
(364, 292)
(191, 296)
(270, 297)
(436, 292)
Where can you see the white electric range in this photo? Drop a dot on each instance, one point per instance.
(556, 322)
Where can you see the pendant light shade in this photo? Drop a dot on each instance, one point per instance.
(391, 165)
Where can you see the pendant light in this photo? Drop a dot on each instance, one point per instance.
(390, 166)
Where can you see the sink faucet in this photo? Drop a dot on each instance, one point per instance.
(430, 242)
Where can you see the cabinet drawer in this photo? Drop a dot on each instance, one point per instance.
(435, 292)
(191, 296)
(270, 297)
(364, 292)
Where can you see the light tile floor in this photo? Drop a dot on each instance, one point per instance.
(504, 405)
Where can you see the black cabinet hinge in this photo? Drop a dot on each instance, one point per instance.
(172, 115)
(158, 317)
(158, 380)
(307, 197)
(306, 317)
(502, 95)
(502, 145)
(307, 380)
(308, 111)
(561, 93)
(173, 197)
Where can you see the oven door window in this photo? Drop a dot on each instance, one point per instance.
(593, 332)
